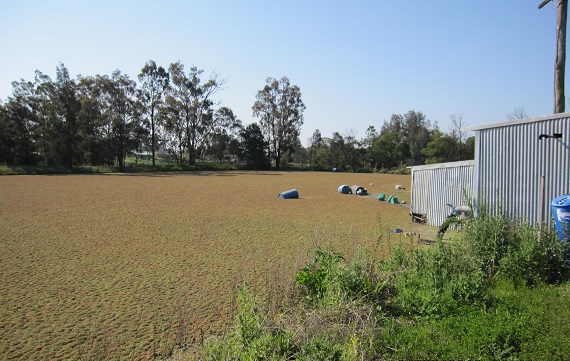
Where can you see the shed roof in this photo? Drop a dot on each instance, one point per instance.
(443, 165)
(515, 122)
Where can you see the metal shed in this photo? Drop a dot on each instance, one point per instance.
(522, 165)
(436, 185)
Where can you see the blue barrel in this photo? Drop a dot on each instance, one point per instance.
(290, 194)
(561, 213)
(344, 189)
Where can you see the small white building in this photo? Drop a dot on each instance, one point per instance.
(434, 186)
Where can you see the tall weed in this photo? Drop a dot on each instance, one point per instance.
(435, 282)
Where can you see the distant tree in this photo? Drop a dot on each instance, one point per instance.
(154, 81)
(417, 133)
(43, 105)
(518, 113)
(390, 150)
(351, 150)
(299, 154)
(95, 127)
(367, 143)
(226, 130)
(315, 142)
(280, 110)
(7, 138)
(336, 151)
(123, 112)
(189, 113)
(254, 148)
(67, 106)
(22, 125)
(442, 148)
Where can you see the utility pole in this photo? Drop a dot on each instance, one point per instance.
(560, 62)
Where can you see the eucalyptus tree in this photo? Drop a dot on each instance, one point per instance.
(22, 125)
(352, 150)
(123, 113)
(226, 129)
(336, 151)
(154, 82)
(67, 107)
(418, 134)
(315, 143)
(280, 109)
(43, 106)
(8, 138)
(190, 108)
(95, 125)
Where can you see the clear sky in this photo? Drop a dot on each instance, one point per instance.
(356, 62)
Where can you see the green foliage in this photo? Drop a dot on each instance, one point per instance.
(462, 300)
(251, 338)
(531, 262)
(488, 239)
(435, 282)
(316, 276)
(327, 278)
(511, 250)
(253, 148)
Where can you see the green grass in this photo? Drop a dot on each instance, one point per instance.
(456, 301)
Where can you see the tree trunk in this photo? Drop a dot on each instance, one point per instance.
(559, 67)
(152, 133)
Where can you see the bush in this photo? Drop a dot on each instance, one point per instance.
(435, 282)
(512, 250)
(531, 262)
(328, 278)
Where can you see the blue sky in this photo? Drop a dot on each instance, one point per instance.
(356, 62)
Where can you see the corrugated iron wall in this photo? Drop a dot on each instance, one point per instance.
(510, 160)
(436, 185)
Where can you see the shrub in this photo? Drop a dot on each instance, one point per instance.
(435, 282)
(487, 238)
(329, 278)
(512, 250)
(316, 276)
(530, 262)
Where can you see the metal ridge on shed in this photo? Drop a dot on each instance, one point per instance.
(515, 122)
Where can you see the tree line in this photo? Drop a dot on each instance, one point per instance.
(404, 140)
(102, 120)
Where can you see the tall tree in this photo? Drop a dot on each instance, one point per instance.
(336, 151)
(7, 138)
(154, 81)
(67, 110)
(190, 106)
(124, 115)
(280, 110)
(22, 124)
(417, 133)
(226, 129)
(315, 142)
